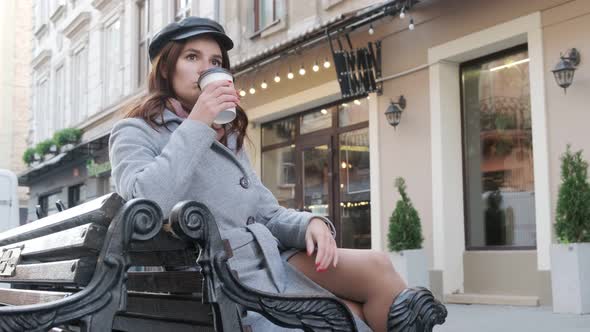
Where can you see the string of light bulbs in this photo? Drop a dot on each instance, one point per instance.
(316, 67)
(290, 76)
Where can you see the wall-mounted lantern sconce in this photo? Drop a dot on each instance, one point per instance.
(394, 111)
(565, 68)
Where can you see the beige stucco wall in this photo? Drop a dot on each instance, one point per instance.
(15, 80)
(568, 114)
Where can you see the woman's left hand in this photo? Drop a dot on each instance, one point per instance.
(318, 234)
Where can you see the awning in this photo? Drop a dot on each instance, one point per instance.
(82, 151)
(345, 22)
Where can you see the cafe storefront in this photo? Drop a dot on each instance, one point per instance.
(318, 161)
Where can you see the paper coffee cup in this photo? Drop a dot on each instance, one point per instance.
(212, 75)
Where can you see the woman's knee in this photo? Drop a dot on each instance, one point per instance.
(381, 261)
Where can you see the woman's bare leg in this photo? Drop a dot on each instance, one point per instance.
(363, 276)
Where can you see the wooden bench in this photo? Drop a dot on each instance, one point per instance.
(70, 271)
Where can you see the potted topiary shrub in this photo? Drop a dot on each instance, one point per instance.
(570, 257)
(66, 138)
(405, 240)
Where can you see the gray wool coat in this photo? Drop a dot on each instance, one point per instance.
(188, 163)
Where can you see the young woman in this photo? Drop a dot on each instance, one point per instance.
(167, 149)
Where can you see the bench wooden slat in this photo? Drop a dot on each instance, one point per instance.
(70, 272)
(163, 241)
(165, 282)
(141, 324)
(163, 258)
(100, 210)
(71, 243)
(180, 308)
(24, 296)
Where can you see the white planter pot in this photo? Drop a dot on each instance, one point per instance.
(412, 266)
(570, 278)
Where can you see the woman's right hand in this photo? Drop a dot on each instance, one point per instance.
(216, 97)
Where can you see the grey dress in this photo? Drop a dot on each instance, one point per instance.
(188, 163)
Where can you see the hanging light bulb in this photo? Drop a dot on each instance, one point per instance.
(357, 102)
(263, 84)
(402, 14)
(277, 78)
(315, 66)
(252, 90)
(324, 111)
(411, 26)
(290, 74)
(301, 70)
(242, 92)
(371, 30)
(326, 63)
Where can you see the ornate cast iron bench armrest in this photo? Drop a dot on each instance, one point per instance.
(192, 221)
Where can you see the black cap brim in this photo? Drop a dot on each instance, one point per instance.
(221, 38)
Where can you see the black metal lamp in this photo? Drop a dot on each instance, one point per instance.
(565, 68)
(394, 111)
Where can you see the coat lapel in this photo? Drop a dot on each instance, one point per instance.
(171, 117)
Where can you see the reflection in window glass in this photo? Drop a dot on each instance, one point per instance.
(278, 132)
(352, 112)
(499, 186)
(278, 174)
(316, 120)
(316, 182)
(355, 190)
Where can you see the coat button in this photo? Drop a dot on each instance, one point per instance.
(244, 182)
(250, 220)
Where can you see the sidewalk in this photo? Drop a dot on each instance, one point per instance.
(492, 318)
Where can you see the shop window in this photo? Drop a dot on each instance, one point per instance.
(276, 132)
(498, 151)
(279, 174)
(316, 120)
(317, 161)
(355, 189)
(353, 112)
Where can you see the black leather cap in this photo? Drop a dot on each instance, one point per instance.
(189, 27)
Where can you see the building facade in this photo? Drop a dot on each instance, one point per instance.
(15, 33)
(478, 142)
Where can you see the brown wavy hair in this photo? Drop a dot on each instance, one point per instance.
(160, 90)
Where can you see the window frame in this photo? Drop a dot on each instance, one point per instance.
(140, 77)
(112, 71)
(41, 102)
(59, 97)
(41, 15)
(482, 59)
(79, 83)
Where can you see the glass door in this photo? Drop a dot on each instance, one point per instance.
(315, 176)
